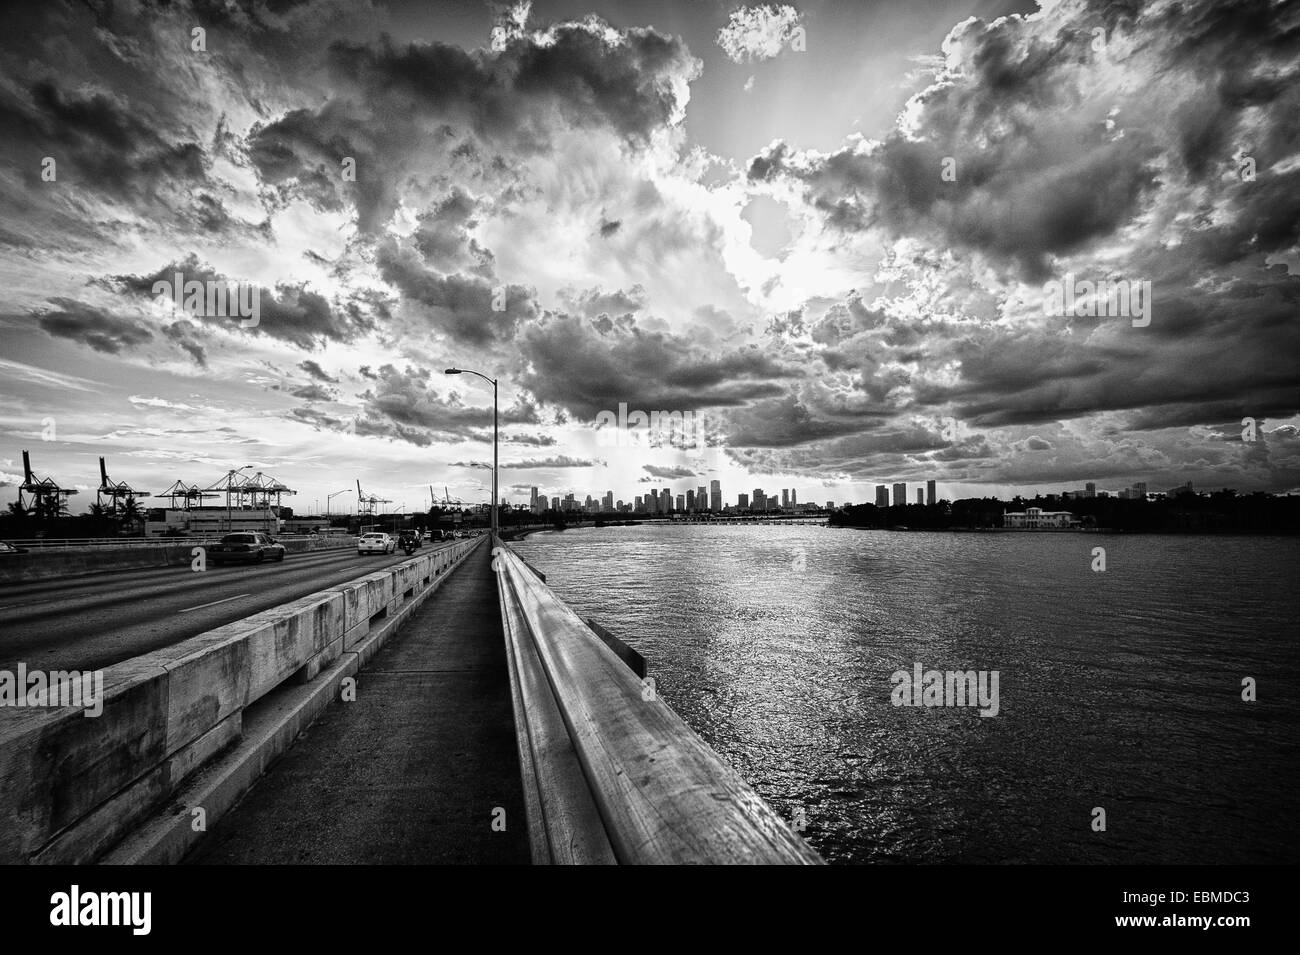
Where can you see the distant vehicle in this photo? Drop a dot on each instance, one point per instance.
(251, 546)
(412, 536)
(376, 543)
(9, 550)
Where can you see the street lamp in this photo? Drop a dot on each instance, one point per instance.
(466, 371)
(230, 480)
(330, 497)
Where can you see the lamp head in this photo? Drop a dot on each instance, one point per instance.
(452, 371)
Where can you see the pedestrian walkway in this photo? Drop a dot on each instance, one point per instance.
(416, 770)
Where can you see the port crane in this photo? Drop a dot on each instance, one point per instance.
(47, 498)
(117, 492)
(366, 502)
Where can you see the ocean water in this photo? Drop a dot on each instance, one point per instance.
(1119, 690)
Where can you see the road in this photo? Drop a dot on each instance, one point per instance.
(94, 621)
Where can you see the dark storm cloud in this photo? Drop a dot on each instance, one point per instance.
(459, 305)
(100, 330)
(570, 363)
(670, 473)
(290, 313)
(401, 104)
(317, 372)
(1050, 154)
(403, 405)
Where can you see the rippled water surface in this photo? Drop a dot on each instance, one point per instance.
(1119, 689)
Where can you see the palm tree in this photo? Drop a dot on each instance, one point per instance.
(131, 513)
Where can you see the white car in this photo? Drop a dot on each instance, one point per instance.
(376, 544)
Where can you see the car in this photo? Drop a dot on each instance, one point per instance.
(412, 536)
(375, 543)
(247, 547)
(9, 550)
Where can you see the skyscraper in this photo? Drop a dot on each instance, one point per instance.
(785, 497)
(532, 502)
(756, 500)
(1090, 489)
(702, 499)
(742, 502)
(690, 501)
(920, 496)
(929, 492)
(882, 495)
(900, 493)
(681, 503)
(794, 498)
(715, 496)
(609, 500)
(666, 500)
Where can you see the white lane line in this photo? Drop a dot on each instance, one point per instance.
(214, 603)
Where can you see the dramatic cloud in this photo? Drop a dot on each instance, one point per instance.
(758, 33)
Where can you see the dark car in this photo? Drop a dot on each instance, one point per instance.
(409, 538)
(250, 546)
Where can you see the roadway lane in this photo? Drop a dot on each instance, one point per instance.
(94, 621)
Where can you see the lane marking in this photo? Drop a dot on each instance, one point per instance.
(214, 603)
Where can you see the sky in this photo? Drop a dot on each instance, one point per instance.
(825, 231)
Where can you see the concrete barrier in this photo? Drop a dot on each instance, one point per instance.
(72, 786)
(49, 564)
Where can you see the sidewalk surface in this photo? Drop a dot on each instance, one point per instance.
(413, 770)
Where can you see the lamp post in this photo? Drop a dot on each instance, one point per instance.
(466, 371)
(330, 497)
(230, 480)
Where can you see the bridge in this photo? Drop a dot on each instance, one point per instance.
(446, 707)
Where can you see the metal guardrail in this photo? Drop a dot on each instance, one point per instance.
(611, 774)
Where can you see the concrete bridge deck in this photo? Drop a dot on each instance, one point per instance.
(412, 771)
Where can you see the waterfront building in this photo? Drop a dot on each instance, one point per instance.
(900, 494)
(882, 495)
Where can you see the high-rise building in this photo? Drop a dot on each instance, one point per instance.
(900, 493)
(715, 496)
(920, 496)
(1140, 490)
(882, 495)
(1090, 489)
(690, 501)
(609, 500)
(532, 502)
(637, 504)
(555, 503)
(702, 499)
(830, 505)
(785, 497)
(756, 500)
(742, 502)
(652, 502)
(929, 492)
(794, 498)
(666, 500)
(681, 503)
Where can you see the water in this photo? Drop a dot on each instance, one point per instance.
(1119, 690)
